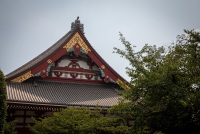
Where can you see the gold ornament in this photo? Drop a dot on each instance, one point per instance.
(49, 61)
(76, 39)
(23, 77)
(103, 67)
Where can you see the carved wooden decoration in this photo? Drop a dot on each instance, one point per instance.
(73, 75)
(90, 64)
(49, 61)
(77, 49)
(58, 74)
(107, 79)
(103, 67)
(23, 77)
(74, 64)
(88, 76)
(43, 74)
(76, 39)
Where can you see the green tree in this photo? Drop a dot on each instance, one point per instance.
(3, 105)
(164, 91)
(9, 128)
(79, 121)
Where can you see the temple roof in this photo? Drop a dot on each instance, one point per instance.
(42, 61)
(62, 94)
(68, 90)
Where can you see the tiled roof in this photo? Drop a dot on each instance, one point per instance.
(57, 93)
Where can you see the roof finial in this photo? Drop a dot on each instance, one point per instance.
(77, 25)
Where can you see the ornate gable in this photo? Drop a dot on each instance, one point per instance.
(72, 58)
(76, 43)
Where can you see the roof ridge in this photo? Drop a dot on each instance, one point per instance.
(77, 25)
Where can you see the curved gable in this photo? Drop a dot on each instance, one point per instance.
(74, 41)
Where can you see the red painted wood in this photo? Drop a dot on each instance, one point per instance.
(99, 63)
(61, 51)
(80, 70)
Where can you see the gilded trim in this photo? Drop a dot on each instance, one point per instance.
(103, 67)
(23, 77)
(74, 40)
(122, 84)
(118, 81)
(49, 61)
(43, 71)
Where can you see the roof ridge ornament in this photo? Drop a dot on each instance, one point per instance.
(77, 25)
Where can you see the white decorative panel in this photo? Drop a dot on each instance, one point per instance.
(64, 63)
(83, 64)
(53, 74)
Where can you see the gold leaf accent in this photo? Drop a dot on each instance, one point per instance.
(23, 77)
(122, 84)
(118, 81)
(49, 61)
(103, 67)
(77, 39)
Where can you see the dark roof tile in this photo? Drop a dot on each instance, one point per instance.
(62, 94)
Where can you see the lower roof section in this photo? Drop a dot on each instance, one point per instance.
(61, 94)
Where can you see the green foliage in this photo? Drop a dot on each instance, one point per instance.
(123, 110)
(9, 128)
(164, 91)
(3, 105)
(79, 121)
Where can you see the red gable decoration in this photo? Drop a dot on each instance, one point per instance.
(73, 46)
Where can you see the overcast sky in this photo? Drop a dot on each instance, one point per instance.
(28, 27)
